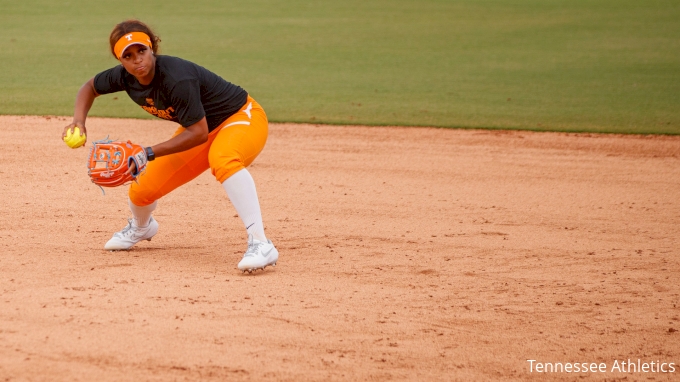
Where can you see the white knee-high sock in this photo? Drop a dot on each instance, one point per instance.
(142, 214)
(241, 190)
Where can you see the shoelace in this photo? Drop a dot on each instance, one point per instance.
(125, 230)
(252, 249)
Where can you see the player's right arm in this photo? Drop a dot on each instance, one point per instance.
(84, 100)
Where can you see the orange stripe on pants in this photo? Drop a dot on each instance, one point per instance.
(231, 147)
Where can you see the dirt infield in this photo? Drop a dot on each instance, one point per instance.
(406, 254)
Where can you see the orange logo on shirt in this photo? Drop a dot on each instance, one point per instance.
(165, 114)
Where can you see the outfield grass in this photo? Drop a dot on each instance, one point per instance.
(572, 65)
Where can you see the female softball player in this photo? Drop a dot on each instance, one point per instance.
(222, 128)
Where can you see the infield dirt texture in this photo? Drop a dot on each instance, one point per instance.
(441, 255)
(406, 254)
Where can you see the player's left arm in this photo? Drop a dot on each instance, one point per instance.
(192, 136)
(185, 97)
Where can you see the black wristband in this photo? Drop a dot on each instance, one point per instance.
(149, 154)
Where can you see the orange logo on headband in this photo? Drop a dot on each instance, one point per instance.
(131, 39)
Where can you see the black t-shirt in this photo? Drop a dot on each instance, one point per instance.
(180, 91)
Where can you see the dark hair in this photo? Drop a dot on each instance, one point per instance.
(132, 25)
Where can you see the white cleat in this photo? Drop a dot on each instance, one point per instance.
(131, 235)
(259, 255)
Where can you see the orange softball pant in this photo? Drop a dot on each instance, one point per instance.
(231, 147)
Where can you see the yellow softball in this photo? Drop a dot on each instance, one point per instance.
(74, 140)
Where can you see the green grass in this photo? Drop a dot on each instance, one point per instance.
(571, 65)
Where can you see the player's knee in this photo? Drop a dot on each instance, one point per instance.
(226, 170)
(142, 196)
(223, 167)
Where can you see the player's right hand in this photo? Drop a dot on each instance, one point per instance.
(71, 127)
